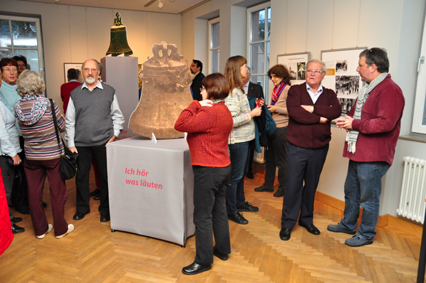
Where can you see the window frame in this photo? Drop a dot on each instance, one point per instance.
(419, 111)
(264, 6)
(28, 18)
(211, 48)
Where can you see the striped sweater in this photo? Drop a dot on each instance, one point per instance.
(40, 138)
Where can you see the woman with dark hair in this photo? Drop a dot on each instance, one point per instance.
(208, 124)
(276, 152)
(238, 142)
(43, 154)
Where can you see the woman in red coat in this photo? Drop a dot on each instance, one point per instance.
(6, 235)
(208, 124)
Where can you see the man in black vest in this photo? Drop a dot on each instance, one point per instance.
(93, 120)
(196, 69)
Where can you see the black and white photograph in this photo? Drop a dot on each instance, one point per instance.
(347, 85)
(341, 66)
(301, 70)
(346, 104)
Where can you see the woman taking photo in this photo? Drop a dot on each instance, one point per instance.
(276, 152)
(238, 142)
(208, 124)
(43, 154)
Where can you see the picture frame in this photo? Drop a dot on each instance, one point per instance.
(68, 66)
(296, 65)
(341, 75)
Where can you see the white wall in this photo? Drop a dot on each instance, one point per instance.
(316, 25)
(74, 34)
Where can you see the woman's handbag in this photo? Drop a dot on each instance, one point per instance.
(69, 159)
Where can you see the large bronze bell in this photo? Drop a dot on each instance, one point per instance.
(118, 44)
(165, 93)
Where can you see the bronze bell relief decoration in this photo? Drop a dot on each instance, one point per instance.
(118, 44)
(165, 93)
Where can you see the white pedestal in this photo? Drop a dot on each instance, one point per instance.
(122, 74)
(151, 188)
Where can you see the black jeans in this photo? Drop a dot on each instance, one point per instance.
(82, 178)
(210, 212)
(276, 156)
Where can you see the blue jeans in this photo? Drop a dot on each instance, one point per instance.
(363, 186)
(235, 193)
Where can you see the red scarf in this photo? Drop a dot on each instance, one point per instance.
(277, 92)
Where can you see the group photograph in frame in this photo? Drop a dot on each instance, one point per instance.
(296, 65)
(341, 75)
(68, 66)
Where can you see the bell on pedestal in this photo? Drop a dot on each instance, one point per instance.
(165, 93)
(118, 44)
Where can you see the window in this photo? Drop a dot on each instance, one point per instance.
(259, 32)
(22, 36)
(214, 46)
(419, 114)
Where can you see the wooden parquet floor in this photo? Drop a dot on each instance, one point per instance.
(92, 253)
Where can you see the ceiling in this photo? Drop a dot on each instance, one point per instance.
(169, 6)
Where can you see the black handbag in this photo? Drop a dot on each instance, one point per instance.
(69, 159)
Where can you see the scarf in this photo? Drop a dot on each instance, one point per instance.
(277, 92)
(352, 135)
(37, 109)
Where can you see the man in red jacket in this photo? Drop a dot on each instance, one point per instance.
(66, 88)
(372, 126)
(311, 107)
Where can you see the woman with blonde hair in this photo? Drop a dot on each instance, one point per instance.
(238, 141)
(43, 153)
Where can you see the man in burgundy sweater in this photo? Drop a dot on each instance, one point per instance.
(311, 107)
(372, 126)
(66, 88)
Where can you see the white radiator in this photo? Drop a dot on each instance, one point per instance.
(259, 157)
(413, 193)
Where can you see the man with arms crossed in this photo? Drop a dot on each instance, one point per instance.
(372, 126)
(311, 107)
(93, 120)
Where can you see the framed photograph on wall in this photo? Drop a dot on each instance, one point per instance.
(68, 66)
(341, 75)
(296, 65)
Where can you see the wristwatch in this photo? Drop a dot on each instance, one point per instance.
(312, 109)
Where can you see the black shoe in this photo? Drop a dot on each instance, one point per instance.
(285, 234)
(220, 255)
(95, 193)
(248, 207)
(44, 204)
(104, 217)
(263, 188)
(237, 218)
(97, 198)
(79, 215)
(311, 229)
(16, 219)
(16, 229)
(279, 193)
(195, 268)
(250, 175)
(23, 209)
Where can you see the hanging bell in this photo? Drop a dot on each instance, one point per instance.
(118, 44)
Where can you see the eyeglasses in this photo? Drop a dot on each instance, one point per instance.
(202, 88)
(10, 69)
(316, 72)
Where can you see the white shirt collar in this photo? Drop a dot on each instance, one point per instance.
(98, 85)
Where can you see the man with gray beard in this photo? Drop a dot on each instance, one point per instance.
(93, 120)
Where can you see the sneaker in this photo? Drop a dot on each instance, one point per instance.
(70, 229)
(340, 229)
(248, 207)
(49, 229)
(279, 193)
(237, 218)
(263, 188)
(358, 241)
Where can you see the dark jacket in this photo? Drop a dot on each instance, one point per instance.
(304, 128)
(196, 85)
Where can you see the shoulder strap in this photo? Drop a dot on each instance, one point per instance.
(52, 106)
